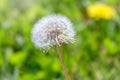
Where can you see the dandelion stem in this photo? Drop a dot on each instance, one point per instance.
(62, 61)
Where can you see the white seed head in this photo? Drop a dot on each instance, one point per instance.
(52, 30)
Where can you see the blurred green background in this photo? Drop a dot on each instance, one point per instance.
(95, 55)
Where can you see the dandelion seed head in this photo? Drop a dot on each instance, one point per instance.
(52, 30)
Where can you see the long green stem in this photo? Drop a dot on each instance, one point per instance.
(62, 61)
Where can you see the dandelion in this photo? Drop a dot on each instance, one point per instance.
(100, 11)
(53, 30)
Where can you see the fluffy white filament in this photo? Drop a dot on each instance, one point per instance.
(52, 30)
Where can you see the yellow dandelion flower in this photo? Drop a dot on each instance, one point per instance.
(100, 11)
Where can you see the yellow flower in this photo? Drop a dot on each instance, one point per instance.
(100, 11)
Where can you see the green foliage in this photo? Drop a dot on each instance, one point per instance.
(95, 55)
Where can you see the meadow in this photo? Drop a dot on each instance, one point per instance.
(95, 54)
